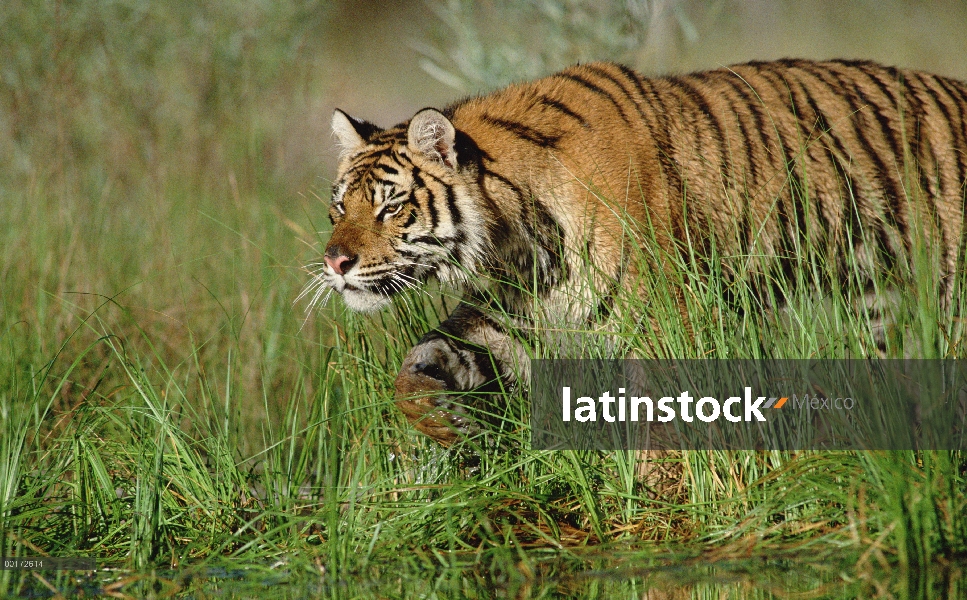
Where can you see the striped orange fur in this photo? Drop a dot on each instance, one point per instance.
(519, 194)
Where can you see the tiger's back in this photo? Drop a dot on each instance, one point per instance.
(755, 156)
(524, 192)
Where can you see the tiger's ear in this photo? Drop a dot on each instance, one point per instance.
(351, 133)
(433, 135)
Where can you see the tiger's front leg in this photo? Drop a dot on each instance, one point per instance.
(468, 352)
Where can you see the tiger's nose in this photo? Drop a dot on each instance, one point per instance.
(337, 258)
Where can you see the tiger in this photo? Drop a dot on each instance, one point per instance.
(513, 197)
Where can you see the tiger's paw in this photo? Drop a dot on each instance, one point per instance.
(421, 395)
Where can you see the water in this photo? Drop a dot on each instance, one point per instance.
(509, 573)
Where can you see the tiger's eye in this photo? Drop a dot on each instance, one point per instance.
(392, 211)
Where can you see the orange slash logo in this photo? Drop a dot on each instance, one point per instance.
(776, 402)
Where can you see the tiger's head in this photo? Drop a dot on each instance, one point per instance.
(405, 207)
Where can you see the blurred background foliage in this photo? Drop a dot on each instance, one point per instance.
(135, 92)
(485, 53)
(164, 165)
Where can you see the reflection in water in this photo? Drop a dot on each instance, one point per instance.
(539, 574)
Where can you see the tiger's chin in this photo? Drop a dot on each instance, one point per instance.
(365, 301)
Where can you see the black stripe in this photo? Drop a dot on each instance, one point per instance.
(455, 246)
(853, 222)
(753, 104)
(562, 108)
(452, 336)
(660, 135)
(524, 132)
(497, 226)
(941, 106)
(692, 93)
(454, 331)
(643, 96)
(797, 186)
(451, 200)
(958, 99)
(847, 186)
(856, 203)
(410, 219)
(848, 88)
(786, 252)
(418, 182)
(842, 89)
(455, 216)
(597, 90)
(550, 235)
(635, 79)
(385, 169)
(915, 83)
(809, 126)
(886, 253)
(653, 112)
(359, 166)
(489, 173)
(891, 185)
(484, 362)
(430, 240)
(808, 195)
(892, 113)
(923, 154)
(604, 307)
(374, 152)
(740, 87)
(610, 77)
(832, 136)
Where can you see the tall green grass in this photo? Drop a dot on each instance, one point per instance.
(113, 448)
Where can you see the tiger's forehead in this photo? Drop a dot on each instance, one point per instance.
(369, 173)
(382, 163)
